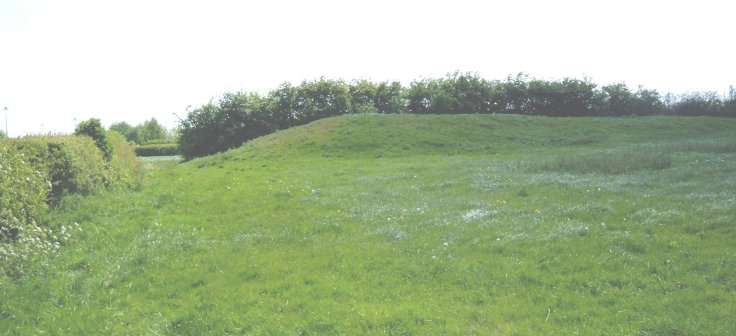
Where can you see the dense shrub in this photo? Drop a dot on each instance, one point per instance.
(124, 169)
(72, 163)
(36, 172)
(93, 129)
(698, 103)
(234, 119)
(23, 191)
(145, 133)
(157, 150)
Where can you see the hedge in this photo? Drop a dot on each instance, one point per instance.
(36, 172)
(157, 150)
(23, 191)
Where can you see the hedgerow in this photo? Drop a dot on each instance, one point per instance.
(125, 170)
(157, 150)
(36, 172)
(23, 191)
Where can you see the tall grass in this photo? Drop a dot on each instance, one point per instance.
(609, 163)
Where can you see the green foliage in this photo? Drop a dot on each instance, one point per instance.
(73, 164)
(456, 94)
(729, 109)
(149, 132)
(23, 190)
(220, 126)
(124, 170)
(157, 150)
(618, 100)
(388, 98)
(93, 129)
(699, 103)
(125, 129)
(36, 172)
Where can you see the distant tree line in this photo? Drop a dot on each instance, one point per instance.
(235, 118)
(149, 132)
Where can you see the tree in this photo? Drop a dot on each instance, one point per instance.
(388, 98)
(93, 129)
(618, 100)
(282, 106)
(729, 107)
(472, 93)
(151, 130)
(699, 104)
(516, 93)
(197, 130)
(218, 126)
(647, 102)
(129, 132)
(321, 99)
(363, 97)
(418, 97)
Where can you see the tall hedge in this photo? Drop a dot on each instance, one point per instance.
(124, 169)
(36, 172)
(93, 129)
(23, 191)
(72, 164)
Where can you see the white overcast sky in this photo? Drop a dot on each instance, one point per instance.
(137, 59)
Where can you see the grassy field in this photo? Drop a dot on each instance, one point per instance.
(409, 225)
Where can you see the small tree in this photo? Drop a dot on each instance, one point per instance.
(729, 108)
(129, 132)
(93, 129)
(151, 130)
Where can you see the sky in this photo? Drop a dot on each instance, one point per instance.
(66, 61)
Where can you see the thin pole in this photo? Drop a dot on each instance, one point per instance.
(5, 109)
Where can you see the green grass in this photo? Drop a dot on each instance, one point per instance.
(409, 225)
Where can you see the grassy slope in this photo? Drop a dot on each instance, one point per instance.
(409, 225)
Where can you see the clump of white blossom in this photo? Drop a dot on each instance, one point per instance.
(22, 245)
